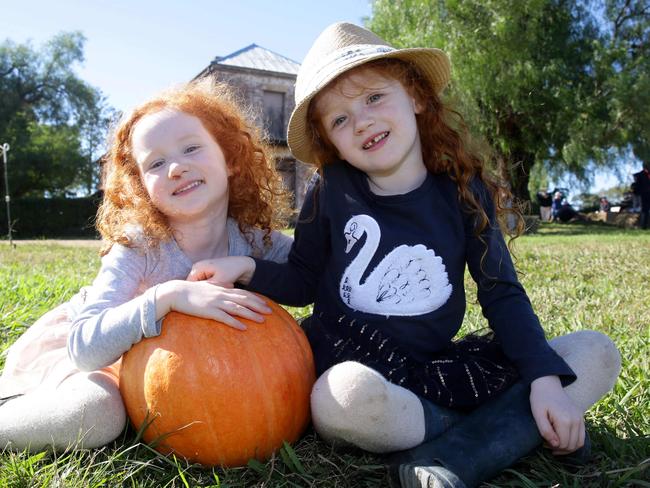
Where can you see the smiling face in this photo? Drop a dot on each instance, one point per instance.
(370, 120)
(182, 167)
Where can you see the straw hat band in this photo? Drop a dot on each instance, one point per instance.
(336, 62)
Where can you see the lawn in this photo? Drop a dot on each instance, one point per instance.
(578, 276)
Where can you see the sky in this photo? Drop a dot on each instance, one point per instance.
(136, 48)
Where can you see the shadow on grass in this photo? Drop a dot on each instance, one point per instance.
(583, 228)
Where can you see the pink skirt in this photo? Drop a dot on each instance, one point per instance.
(39, 358)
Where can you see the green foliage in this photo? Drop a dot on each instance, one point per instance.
(627, 55)
(43, 158)
(544, 81)
(577, 276)
(49, 116)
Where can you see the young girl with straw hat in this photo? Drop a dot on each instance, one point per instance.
(403, 205)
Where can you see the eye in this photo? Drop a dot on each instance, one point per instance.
(338, 121)
(375, 97)
(156, 164)
(191, 149)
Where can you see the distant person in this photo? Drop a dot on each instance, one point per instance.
(604, 204)
(636, 198)
(556, 206)
(186, 179)
(642, 189)
(545, 202)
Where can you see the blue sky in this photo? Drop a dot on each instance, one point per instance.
(138, 47)
(135, 48)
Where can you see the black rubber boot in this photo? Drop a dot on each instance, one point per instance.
(492, 438)
(580, 457)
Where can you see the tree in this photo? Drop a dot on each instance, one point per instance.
(45, 112)
(530, 77)
(627, 57)
(93, 126)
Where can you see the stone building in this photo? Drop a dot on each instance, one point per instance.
(266, 81)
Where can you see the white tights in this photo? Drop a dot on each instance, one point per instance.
(85, 410)
(354, 404)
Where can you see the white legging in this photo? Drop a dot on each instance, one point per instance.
(354, 404)
(85, 410)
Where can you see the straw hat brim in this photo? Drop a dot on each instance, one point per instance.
(431, 62)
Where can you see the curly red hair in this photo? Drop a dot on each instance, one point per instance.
(443, 136)
(256, 197)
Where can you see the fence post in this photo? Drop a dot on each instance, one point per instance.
(5, 149)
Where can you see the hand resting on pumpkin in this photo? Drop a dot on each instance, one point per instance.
(207, 300)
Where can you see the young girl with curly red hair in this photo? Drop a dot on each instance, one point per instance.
(187, 178)
(402, 208)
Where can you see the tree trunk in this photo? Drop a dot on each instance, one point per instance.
(519, 167)
(520, 160)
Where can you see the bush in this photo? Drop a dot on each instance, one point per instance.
(51, 217)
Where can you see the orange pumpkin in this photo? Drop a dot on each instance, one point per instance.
(220, 396)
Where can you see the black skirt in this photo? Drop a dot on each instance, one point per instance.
(465, 375)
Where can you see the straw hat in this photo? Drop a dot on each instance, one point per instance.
(339, 48)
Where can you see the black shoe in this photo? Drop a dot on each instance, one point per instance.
(490, 439)
(413, 476)
(579, 457)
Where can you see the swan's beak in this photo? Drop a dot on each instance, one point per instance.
(349, 244)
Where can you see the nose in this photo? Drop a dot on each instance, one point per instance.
(176, 169)
(362, 122)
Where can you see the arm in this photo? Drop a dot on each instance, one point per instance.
(509, 313)
(115, 316)
(293, 282)
(505, 304)
(296, 282)
(238, 267)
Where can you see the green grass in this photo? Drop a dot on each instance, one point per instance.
(577, 276)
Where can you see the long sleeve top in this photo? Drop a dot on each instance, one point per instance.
(397, 263)
(118, 309)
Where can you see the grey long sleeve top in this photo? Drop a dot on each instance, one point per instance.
(118, 309)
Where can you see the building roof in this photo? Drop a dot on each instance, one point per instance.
(257, 57)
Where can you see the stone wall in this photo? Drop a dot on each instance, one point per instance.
(251, 85)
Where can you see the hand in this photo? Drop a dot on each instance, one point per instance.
(559, 421)
(223, 271)
(203, 299)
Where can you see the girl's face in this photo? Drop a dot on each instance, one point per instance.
(182, 167)
(370, 119)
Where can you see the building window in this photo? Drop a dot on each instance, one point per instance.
(274, 115)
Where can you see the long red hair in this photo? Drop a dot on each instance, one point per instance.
(443, 136)
(256, 197)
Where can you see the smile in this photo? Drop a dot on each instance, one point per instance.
(375, 140)
(188, 187)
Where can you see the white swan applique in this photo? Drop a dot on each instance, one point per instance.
(410, 280)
